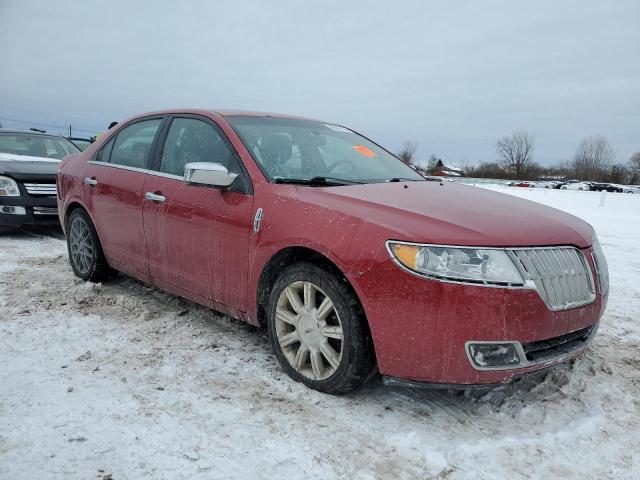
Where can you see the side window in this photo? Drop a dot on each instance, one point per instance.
(133, 143)
(103, 154)
(192, 140)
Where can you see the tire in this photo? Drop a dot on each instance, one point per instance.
(298, 334)
(85, 251)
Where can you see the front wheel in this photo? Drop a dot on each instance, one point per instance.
(85, 251)
(318, 330)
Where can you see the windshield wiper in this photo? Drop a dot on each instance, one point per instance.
(317, 181)
(400, 179)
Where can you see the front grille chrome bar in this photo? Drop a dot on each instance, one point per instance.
(45, 211)
(41, 189)
(561, 275)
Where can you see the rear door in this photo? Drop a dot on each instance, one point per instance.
(197, 237)
(113, 186)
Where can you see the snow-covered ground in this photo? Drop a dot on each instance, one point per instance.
(121, 380)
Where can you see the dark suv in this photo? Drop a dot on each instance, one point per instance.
(29, 163)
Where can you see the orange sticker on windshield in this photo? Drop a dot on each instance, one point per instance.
(362, 150)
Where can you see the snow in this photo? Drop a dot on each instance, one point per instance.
(121, 379)
(10, 157)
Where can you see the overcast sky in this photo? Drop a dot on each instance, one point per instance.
(453, 76)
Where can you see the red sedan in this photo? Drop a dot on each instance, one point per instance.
(351, 259)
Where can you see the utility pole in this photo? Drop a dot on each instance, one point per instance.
(69, 131)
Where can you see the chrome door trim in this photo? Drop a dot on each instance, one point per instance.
(136, 169)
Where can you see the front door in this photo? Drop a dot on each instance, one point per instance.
(113, 183)
(197, 237)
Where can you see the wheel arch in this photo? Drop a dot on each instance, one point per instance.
(74, 205)
(287, 256)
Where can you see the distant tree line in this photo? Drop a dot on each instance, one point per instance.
(594, 160)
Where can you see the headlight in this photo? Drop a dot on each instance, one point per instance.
(8, 187)
(601, 266)
(457, 264)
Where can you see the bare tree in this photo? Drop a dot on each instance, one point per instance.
(408, 151)
(634, 168)
(593, 158)
(515, 151)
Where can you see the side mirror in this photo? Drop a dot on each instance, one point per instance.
(210, 174)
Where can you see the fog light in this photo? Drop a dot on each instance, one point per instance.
(494, 354)
(9, 210)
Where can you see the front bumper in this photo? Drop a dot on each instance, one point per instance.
(421, 328)
(39, 210)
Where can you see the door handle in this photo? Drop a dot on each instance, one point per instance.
(90, 181)
(154, 198)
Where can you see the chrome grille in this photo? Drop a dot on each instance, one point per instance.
(41, 188)
(45, 211)
(561, 275)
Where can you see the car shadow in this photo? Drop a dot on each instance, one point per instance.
(535, 388)
(30, 231)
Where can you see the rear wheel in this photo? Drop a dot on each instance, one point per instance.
(318, 330)
(85, 251)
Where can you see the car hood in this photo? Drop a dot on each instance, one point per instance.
(23, 164)
(454, 214)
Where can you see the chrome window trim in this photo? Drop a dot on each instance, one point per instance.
(136, 169)
(527, 285)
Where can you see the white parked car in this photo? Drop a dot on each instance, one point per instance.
(577, 186)
(550, 184)
(631, 189)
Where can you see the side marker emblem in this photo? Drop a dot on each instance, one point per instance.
(257, 219)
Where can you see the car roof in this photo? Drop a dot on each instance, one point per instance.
(223, 112)
(249, 113)
(30, 132)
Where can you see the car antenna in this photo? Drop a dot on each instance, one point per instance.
(38, 130)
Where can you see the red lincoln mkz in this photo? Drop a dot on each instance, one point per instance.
(352, 260)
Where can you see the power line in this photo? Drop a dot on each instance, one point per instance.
(64, 127)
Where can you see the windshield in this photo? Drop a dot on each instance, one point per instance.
(36, 145)
(293, 149)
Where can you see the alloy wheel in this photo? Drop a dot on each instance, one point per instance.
(308, 330)
(81, 245)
